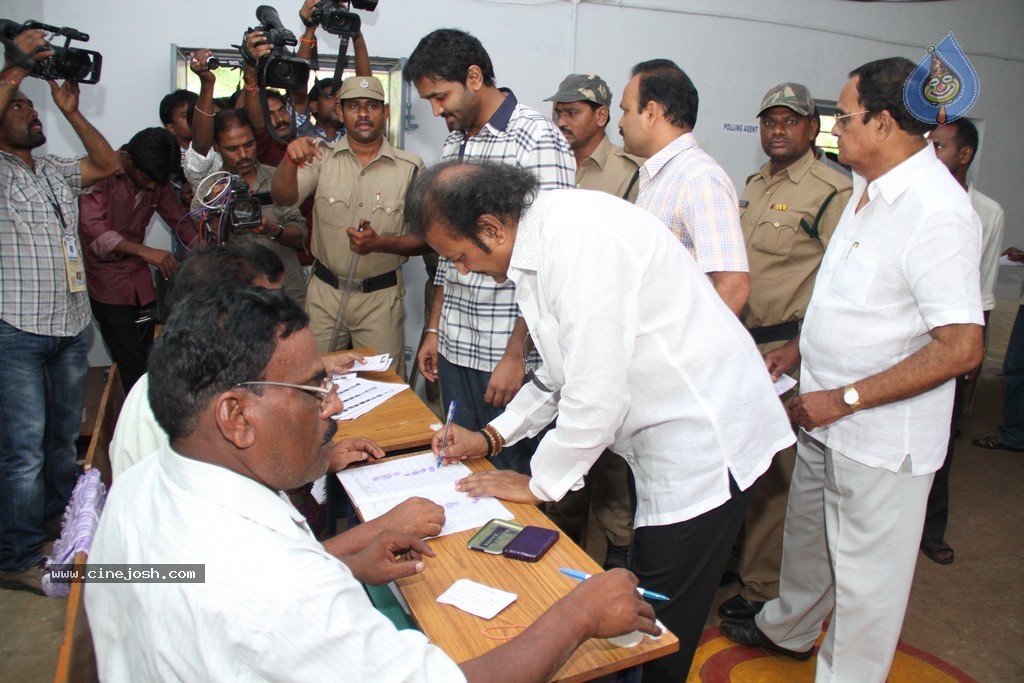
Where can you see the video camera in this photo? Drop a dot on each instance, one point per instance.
(334, 17)
(279, 69)
(243, 209)
(66, 63)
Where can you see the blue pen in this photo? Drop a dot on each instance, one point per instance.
(447, 426)
(582, 576)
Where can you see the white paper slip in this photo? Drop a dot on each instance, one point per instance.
(373, 363)
(783, 384)
(461, 512)
(1005, 261)
(476, 598)
(319, 490)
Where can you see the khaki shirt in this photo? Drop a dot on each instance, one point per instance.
(610, 170)
(346, 192)
(294, 283)
(783, 257)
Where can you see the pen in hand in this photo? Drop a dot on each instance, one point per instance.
(447, 426)
(583, 576)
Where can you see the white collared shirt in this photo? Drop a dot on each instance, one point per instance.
(993, 223)
(645, 356)
(906, 263)
(275, 605)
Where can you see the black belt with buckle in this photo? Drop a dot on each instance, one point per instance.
(366, 285)
(775, 333)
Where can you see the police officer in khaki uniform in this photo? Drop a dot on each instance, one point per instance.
(789, 210)
(581, 113)
(359, 185)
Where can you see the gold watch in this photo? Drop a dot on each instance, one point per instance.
(851, 398)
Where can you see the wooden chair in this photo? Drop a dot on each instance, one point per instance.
(76, 661)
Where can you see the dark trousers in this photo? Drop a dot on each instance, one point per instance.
(129, 342)
(685, 562)
(937, 513)
(1011, 431)
(467, 387)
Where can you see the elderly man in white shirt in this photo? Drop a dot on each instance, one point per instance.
(640, 355)
(895, 315)
(239, 388)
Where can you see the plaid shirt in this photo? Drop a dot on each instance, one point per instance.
(693, 196)
(478, 313)
(34, 293)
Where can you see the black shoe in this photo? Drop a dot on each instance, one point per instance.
(617, 557)
(738, 608)
(747, 633)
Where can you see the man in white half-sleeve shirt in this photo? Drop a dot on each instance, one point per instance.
(894, 316)
(640, 356)
(237, 384)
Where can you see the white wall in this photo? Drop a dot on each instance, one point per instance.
(733, 50)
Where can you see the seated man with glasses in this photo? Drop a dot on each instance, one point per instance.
(238, 385)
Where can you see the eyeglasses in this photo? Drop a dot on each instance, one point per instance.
(324, 391)
(841, 120)
(527, 347)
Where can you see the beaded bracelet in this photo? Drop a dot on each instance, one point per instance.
(495, 440)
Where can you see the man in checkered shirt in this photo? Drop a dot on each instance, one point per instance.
(44, 311)
(474, 341)
(679, 182)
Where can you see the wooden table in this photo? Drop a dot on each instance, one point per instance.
(538, 585)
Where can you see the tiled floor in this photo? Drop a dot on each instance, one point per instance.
(968, 614)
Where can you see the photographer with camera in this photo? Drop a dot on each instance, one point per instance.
(44, 311)
(361, 181)
(282, 229)
(200, 159)
(112, 226)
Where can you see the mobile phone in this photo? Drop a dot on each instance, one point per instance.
(531, 544)
(494, 536)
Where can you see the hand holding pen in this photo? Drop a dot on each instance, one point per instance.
(447, 428)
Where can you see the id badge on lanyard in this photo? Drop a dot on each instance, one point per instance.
(72, 251)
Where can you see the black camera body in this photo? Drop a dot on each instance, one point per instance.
(279, 69)
(334, 17)
(243, 210)
(66, 63)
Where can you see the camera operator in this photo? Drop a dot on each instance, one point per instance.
(44, 311)
(200, 158)
(359, 181)
(112, 227)
(283, 228)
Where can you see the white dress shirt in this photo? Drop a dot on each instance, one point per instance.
(993, 223)
(137, 433)
(904, 264)
(274, 606)
(645, 357)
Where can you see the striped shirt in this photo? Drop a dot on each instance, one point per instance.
(478, 313)
(37, 211)
(693, 196)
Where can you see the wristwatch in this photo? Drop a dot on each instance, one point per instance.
(851, 398)
(280, 231)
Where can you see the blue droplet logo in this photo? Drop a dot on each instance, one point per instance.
(944, 86)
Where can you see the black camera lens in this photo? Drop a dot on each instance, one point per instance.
(212, 63)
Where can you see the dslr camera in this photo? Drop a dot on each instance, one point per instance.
(66, 63)
(334, 17)
(279, 68)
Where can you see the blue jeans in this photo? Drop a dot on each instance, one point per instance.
(467, 387)
(1011, 432)
(42, 390)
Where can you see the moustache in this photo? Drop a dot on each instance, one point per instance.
(329, 433)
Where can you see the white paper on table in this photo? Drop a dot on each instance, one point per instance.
(783, 384)
(1005, 261)
(359, 396)
(378, 488)
(373, 363)
(319, 490)
(476, 598)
